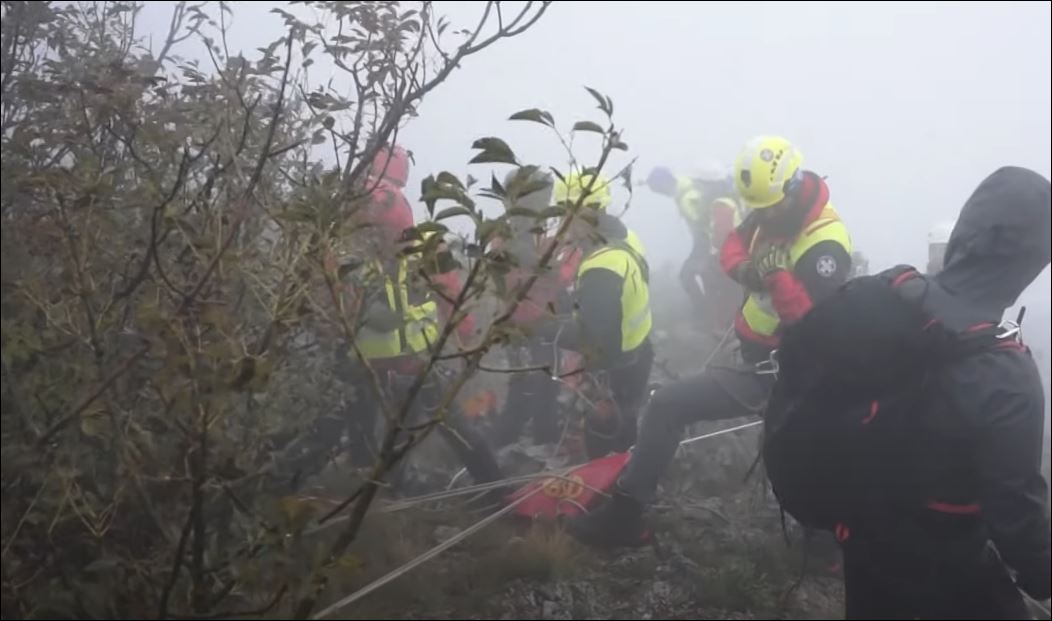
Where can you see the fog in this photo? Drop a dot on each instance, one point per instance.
(905, 107)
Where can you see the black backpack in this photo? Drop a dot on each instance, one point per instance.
(841, 435)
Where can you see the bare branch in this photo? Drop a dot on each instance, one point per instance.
(124, 367)
(256, 612)
(540, 367)
(174, 26)
(177, 563)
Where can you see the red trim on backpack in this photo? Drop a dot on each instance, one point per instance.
(1014, 345)
(931, 322)
(954, 509)
(842, 532)
(903, 277)
(979, 326)
(873, 409)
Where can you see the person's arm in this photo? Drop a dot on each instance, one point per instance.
(734, 256)
(1001, 395)
(599, 316)
(816, 274)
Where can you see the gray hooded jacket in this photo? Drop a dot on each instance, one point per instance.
(991, 406)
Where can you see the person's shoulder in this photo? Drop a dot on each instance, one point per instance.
(988, 382)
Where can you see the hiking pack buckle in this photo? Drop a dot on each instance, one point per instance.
(1012, 329)
(769, 366)
(1008, 330)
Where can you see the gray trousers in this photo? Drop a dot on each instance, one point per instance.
(717, 393)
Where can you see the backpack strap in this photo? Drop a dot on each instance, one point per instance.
(981, 337)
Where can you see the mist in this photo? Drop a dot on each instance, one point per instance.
(903, 106)
(241, 381)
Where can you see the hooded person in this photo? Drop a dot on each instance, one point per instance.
(984, 437)
(908, 420)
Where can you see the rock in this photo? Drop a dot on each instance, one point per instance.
(554, 610)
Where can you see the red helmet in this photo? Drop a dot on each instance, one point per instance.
(389, 212)
(392, 164)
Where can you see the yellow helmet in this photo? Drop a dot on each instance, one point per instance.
(570, 190)
(766, 169)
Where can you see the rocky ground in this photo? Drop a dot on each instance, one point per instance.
(719, 549)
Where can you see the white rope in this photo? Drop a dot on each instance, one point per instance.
(474, 528)
(1036, 604)
(720, 432)
(423, 558)
(409, 503)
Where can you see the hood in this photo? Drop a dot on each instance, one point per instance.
(588, 236)
(809, 199)
(610, 227)
(1001, 242)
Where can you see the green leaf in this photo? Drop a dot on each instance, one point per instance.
(328, 122)
(587, 126)
(450, 212)
(604, 102)
(432, 191)
(496, 187)
(349, 266)
(533, 186)
(555, 211)
(626, 175)
(494, 151)
(449, 178)
(93, 425)
(427, 185)
(533, 114)
(432, 227)
(486, 230)
(524, 212)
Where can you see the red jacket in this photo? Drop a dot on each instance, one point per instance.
(792, 292)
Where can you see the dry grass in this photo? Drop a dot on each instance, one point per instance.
(464, 578)
(543, 552)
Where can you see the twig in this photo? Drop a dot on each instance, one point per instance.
(25, 515)
(200, 474)
(258, 612)
(540, 367)
(177, 563)
(87, 401)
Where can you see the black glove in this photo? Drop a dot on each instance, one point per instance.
(749, 277)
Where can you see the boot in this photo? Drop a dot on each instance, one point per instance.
(616, 523)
